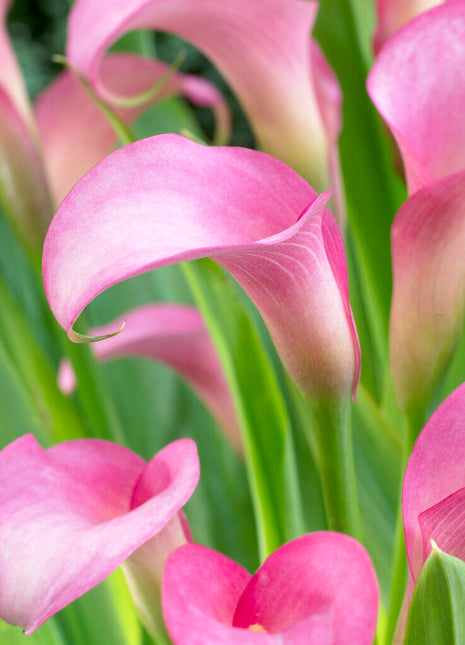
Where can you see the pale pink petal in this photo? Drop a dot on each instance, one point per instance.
(166, 199)
(428, 241)
(11, 80)
(75, 133)
(318, 589)
(69, 518)
(262, 48)
(417, 84)
(434, 479)
(175, 335)
(392, 14)
(23, 185)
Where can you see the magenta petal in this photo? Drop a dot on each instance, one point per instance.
(392, 14)
(445, 524)
(166, 199)
(327, 576)
(200, 591)
(428, 241)
(417, 85)
(434, 480)
(262, 48)
(318, 589)
(68, 119)
(69, 519)
(176, 336)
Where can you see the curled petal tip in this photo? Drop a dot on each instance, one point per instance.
(76, 337)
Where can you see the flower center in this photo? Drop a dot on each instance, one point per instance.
(256, 628)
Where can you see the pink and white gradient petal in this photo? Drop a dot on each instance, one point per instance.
(428, 302)
(70, 516)
(166, 199)
(262, 48)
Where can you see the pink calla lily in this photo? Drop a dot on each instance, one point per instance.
(433, 499)
(392, 14)
(417, 85)
(318, 589)
(428, 304)
(23, 186)
(47, 150)
(23, 183)
(166, 199)
(72, 514)
(11, 80)
(434, 481)
(262, 48)
(175, 335)
(76, 134)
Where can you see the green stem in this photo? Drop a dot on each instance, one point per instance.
(264, 428)
(331, 441)
(399, 559)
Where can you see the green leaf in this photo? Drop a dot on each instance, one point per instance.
(105, 614)
(373, 191)
(377, 452)
(49, 634)
(58, 414)
(262, 415)
(16, 409)
(436, 615)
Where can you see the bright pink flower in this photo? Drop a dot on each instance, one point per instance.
(319, 589)
(263, 50)
(166, 199)
(392, 14)
(433, 495)
(70, 515)
(76, 134)
(417, 85)
(175, 335)
(434, 484)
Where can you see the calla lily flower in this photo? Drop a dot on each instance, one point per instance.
(175, 335)
(433, 499)
(75, 133)
(393, 14)
(166, 199)
(428, 241)
(23, 186)
(11, 79)
(262, 48)
(46, 150)
(319, 589)
(72, 514)
(417, 85)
